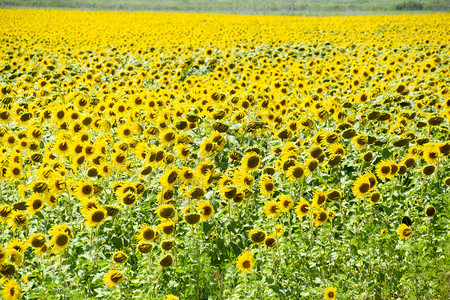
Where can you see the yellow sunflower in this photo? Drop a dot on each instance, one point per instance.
(361, 186)
(113, 278)
(404, 231)
(330, 293)
(303, 208)
(272, 209)
(206, 210)
(95, 216)
(245, 261)
(383, 169)
(250, 162)
(267, 185)
(11, 290)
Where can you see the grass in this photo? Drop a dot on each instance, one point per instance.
(280, 7)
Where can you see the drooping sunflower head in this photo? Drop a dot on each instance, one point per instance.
(166, 261)
(257, 236)
(319, 198)
(113, 278)
(320, 216)
(144, 247)
(192, 218)
(430, 211)
(374, 197)
(17, 219)
(37, 240)
(119, 257)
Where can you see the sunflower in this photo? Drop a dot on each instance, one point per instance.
(166, 211)
(270, 242)
(296, 172)
(319, 198)
(60, 237)
(430, 211)
(361, 186)
(186, 175)
(84, 189)
(146, 233)
(113, 278)
(14, 171)
(166, 261)
(11, 290)
(360, 141)
(167, 244)
(171, 297)
(286, 203)
(257, 236)
(95, 216)
(375, 197)
(428, 170)
(37, 240)
(303, 208)
(5, 212)
(383, 169)
(245, 261)
(3, 255)
(208, 147)
(119, 257)
(311, 165)
(430, 153)
(183, 151)
(144, 247)
(320, 216)
(329, 293)
(15, 257)
(206, 210)
(250, 162)
(17, 219)
(272, 209)
(169, 178)
(167, 227)
(267, 185)
(192, 218)
(404, 231)
(35, 203)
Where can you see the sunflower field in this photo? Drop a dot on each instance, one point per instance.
(197, 156)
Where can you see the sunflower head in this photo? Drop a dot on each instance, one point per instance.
(430, 211)
(329, 293)
(113, 278)
(404, 231)
(257, 236)
(119, 257)
(245, 261)
(166, 261)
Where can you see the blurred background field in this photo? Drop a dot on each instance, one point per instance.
(251, 7)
